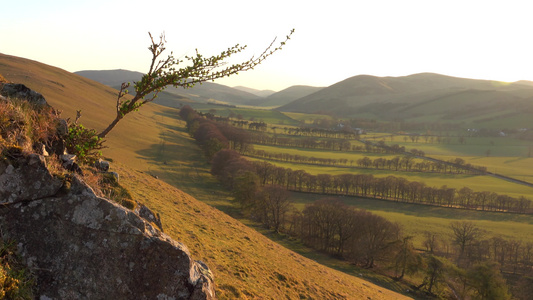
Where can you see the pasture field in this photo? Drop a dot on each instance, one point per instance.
(516, 167)
(417, 219)
(259, 115)
(477, 183)
(472, 146)
(175, 158)
(306, 118)
(375, 136)
(318, 153)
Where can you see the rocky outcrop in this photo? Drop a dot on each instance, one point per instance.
(26, 179)
(20, 91)
(80, 246)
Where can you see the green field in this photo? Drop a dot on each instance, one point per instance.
(259, 115)
(516, 167)
(477, 183)
(306, 118)
(417, 219)
(473, 146)
(177, 160)
(318, 153)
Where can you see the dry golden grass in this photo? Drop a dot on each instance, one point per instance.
(22, 126)
(246, 264)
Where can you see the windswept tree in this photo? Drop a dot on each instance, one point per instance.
(167, 72)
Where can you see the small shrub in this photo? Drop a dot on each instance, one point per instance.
(84, 143)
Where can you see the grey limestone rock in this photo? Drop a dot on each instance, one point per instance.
(102, 165)
(20, 91)
(81, 246)
(26, 179)
(147, 214)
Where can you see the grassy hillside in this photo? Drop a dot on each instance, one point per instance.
(245, 264)
(260, 93)
(288, 95)
(421, 97)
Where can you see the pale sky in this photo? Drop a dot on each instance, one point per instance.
(333, 40)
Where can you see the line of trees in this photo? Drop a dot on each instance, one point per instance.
(399, 163)
(389, 188)
(325, 143)
(365, 239)
(303, 142)
(341, 133)
(213, 137)
(465, 264)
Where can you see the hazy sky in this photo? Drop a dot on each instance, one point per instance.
(333, 40)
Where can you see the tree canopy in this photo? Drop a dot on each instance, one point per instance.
(167, 72)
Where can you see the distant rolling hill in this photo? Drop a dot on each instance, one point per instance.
(420, 97)
(260, 93)
(115, 78)
(208, 91)
(288, 95)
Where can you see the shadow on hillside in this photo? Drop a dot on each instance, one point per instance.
(178, 161)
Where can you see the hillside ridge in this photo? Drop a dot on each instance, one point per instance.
(391, 98)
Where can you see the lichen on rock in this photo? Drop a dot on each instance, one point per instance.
(81, 246)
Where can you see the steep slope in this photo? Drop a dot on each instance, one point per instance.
(208, 91)
(62, 89)
(386, 97)
(288, 95)
(245, 264)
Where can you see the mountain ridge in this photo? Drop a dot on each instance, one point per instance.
(260, 93)
(288, 95)
(386, 97)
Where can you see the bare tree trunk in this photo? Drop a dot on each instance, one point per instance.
(108, 129)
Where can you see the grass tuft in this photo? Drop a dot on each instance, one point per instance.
(15, 281)
(106, 185)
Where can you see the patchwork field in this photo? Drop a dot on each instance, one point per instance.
(417, 219)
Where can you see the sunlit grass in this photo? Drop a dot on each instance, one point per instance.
(516, 167)
(477, 183)
(472, 146)
(417, 219)
(318, 153)
(306, 118)
(251, 114)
